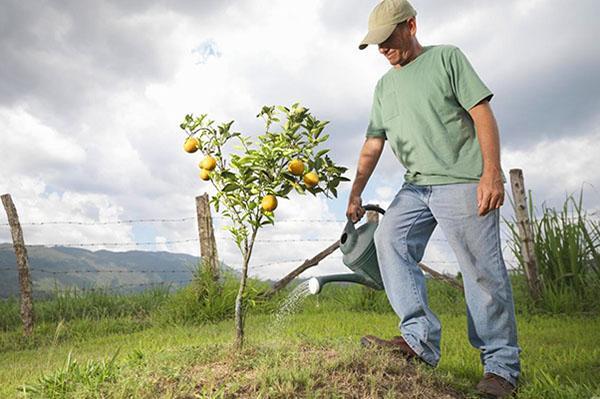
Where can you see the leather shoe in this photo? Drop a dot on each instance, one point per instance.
(494, 386)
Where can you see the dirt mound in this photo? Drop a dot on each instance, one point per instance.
(313, 372)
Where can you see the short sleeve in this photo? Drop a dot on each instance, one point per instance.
(375, 128)
(468, 88)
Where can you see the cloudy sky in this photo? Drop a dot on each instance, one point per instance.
(92, 93)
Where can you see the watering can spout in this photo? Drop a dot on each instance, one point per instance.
(315, 284)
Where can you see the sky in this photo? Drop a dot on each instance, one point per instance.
(92, 94)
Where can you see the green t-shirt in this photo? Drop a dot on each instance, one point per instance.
(422, 110)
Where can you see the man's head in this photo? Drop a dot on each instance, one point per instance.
(393, 27)
(384, 19)
(402, 45)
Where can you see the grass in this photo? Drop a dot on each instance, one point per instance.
(567, 248)
(92, 305)
(314, 353)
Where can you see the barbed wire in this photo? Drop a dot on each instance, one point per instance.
(99, 223)
(188, 240)
(108, 271)
(75, 288)
(185, 219)
(107, 244)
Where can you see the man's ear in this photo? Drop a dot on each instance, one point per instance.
(412, 25)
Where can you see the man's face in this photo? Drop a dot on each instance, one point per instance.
(398, 47)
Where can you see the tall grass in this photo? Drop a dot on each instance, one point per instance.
(566, 245)
(205, 300)
(74, 379)
(72, 305)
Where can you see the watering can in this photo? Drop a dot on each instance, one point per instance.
(358, 247)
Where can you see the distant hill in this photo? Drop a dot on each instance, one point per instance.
(135, 268)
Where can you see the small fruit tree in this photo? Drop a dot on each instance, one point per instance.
(286, 158)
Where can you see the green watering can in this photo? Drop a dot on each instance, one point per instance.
(358, 247)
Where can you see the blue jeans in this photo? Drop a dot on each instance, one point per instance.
(400, 240)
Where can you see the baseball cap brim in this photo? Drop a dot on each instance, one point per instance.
(377, 36)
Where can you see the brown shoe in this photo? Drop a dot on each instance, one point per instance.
(494, 386)
(397, 344)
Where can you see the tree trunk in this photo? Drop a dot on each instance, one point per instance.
(239, 305)
(239, 311)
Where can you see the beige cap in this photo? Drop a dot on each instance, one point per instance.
(384, 18)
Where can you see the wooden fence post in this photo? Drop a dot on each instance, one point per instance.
(525, 232)
(22, 264)
(208, 246)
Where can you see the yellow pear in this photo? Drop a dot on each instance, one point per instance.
(311, 179)
(296, 167)
(269, 203)
(204, 174)
(191, 145)
(208, 163)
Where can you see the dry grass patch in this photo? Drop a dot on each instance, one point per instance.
(311, 372)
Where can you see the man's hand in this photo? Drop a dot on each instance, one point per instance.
(490, 192)
(355, 210)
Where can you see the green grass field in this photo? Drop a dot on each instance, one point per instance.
(313, 353)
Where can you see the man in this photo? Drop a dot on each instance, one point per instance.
(434, 110)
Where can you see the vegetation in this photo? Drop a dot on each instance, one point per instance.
(567, 248)
(315, 353)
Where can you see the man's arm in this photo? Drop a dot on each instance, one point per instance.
(490, 192)
(369, 156)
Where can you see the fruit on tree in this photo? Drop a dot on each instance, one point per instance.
(296, 167)
(191, 145)
(311, 179)
(208, 163)
(204, 174)
(269, 203)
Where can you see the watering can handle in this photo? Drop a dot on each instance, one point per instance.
(376, 208)
(350, 224)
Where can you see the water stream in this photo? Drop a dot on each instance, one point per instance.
(291, 304)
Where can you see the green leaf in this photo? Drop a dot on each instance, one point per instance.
(230, 187)
(322, 152)
(228, 175)
(285, 191)
(289, 177)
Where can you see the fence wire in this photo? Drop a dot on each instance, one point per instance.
(125, 271)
